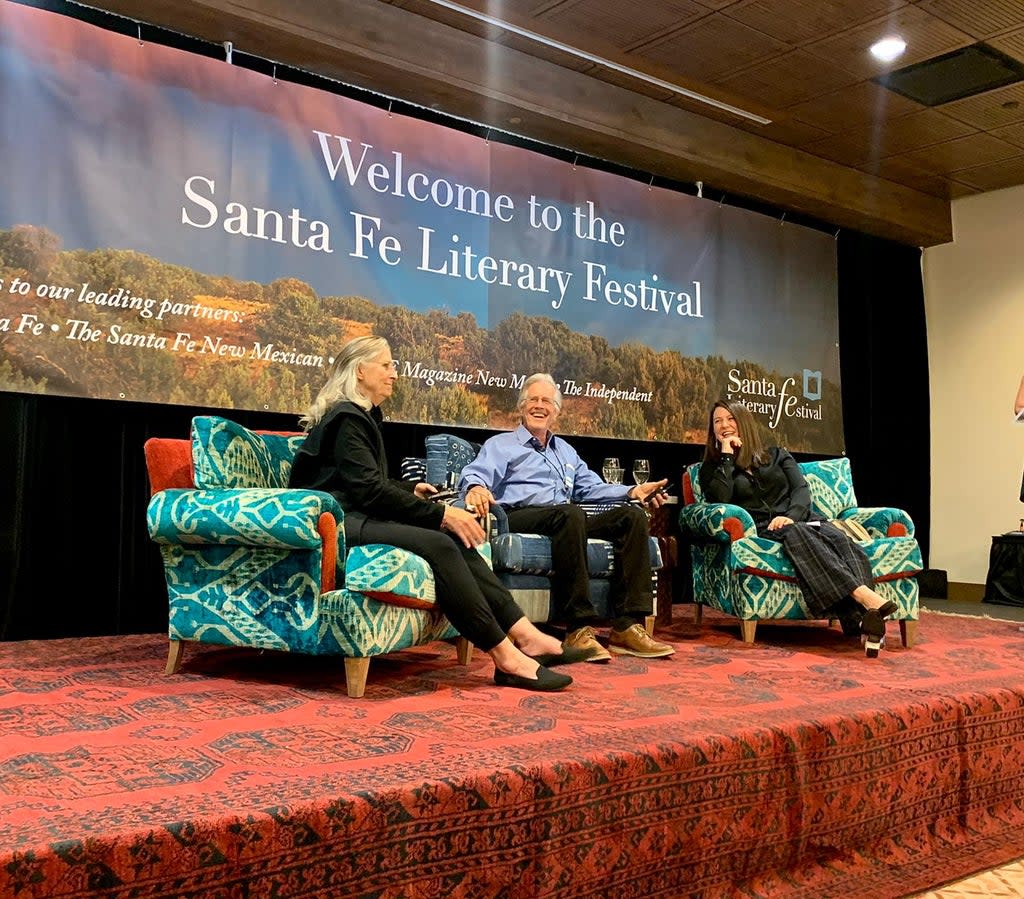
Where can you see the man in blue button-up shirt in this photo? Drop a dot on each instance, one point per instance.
(538, 478)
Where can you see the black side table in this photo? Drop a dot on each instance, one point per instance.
(672, 579)
(1005, 582)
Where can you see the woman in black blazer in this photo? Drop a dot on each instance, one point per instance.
(833, 571)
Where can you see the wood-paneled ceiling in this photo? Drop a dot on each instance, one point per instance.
(839, 146)
(805, 64)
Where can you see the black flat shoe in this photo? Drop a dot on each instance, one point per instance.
(545, 682)
(872, 631)
(567, 656)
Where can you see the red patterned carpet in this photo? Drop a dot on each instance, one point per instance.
(795, 767)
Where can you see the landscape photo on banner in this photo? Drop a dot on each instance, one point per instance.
(178, 229)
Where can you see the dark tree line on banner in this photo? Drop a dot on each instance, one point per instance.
(141, 355)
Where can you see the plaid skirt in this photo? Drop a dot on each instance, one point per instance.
(829, 566)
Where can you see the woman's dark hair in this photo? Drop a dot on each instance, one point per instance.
(753, 452)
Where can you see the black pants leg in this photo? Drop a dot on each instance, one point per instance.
(472, 598)
(568, 527)
(626, 528)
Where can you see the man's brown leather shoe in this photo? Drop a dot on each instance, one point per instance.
(585, 638)
(635, 641)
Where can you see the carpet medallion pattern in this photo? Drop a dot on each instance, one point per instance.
(792, 767)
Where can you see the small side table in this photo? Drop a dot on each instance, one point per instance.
(1004, 584)
(664, 525)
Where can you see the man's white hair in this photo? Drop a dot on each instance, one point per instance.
(533, 379)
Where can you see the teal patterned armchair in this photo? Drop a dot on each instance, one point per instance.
(751, 578)
(251, 562)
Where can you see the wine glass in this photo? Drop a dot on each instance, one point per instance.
(641, 470)
(608, 469)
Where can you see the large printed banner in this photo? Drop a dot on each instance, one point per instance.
(176, 229)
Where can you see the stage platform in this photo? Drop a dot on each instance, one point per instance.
(794, 767)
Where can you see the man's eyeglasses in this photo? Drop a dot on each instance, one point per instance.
(543, 400)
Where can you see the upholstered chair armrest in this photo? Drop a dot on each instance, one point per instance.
(498, 523)
(723, 522)
(881, 521)
(491, 528)
(249, 516)
(497, 520)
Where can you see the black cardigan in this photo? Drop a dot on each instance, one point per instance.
(343, 454)
(776, 488)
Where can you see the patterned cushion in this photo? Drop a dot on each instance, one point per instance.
(251, 516)
(414, 469)
(531, 554)
(765, 557)
(831, 486)
(225, 454)
(598, 508)
(394, 576)
(447, 455)
(391, 575)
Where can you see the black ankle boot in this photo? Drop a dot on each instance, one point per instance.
(872, 632)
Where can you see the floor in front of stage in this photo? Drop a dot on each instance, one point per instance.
(791, 767)
(1003, 882)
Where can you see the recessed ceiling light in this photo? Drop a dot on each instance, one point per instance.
(888, 48)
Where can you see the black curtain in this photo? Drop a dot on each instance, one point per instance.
(884, 371)
(77, 559)
(76, 556)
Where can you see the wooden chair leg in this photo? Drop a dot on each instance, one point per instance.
(463, 650)
(908, 631)
(356, 671)
(649, 622)
(698, 612)
(747, 629)
(174, 652)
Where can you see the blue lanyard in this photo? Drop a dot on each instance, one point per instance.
(559, 470)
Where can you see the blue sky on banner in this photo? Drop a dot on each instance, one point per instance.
(148, 148)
